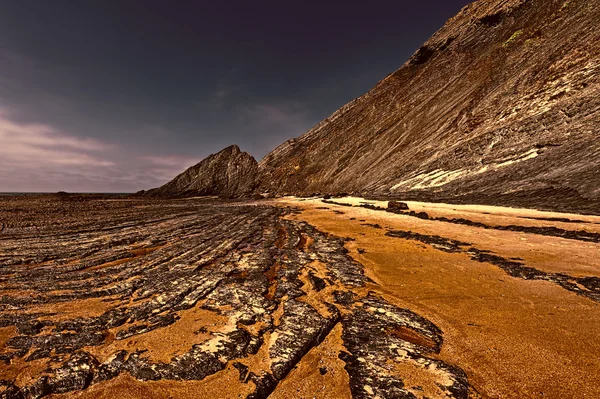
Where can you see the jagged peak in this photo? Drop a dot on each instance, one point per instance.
(232, 148)
(229, 173)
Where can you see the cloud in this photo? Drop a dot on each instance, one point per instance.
(286, 115)
(225, 91)
(41, 145)
(164, 167)
(269, 123)
(39, 157)
(169, 160)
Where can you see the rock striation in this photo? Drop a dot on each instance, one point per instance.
(230, 173)
(500, 106)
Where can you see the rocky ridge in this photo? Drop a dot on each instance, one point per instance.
(500, 106)
(230, 173)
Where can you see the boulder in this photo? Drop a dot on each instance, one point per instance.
(397, 205)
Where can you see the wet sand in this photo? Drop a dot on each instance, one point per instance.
(515, 338)
(224, 384)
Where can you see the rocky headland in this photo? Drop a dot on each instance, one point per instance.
(230, 173)
(500, 106)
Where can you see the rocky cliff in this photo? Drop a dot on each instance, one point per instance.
(229, 173)
(500, 106)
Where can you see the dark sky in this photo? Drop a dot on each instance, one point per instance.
(123, 95)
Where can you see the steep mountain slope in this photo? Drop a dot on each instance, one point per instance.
(229, 173)
(499, 106)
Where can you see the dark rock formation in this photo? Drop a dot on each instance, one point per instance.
(499, 106)
(378, 334)
(397, 205)
(229, 173)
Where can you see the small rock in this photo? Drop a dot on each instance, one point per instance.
(397, 205)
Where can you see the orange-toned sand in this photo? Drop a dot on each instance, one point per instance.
(6, 333)
(19, 370)
(514, 338)
(320, 373)
(165, 343)
(224, 384)
(90, 307)
(546, 253)
(23, 372)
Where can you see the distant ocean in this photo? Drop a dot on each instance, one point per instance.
(28, 193)
(46, 193)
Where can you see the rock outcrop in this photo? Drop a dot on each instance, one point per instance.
(229, 173)
(500, 106)
(179, 291)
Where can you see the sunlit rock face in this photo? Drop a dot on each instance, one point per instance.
(499, 106)
(229, 173)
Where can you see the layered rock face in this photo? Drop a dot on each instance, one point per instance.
(229, 173)
(499, 106)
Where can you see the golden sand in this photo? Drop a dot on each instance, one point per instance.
(514, 338)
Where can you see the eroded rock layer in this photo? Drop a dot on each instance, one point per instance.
(500, 106)
(180, 290)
